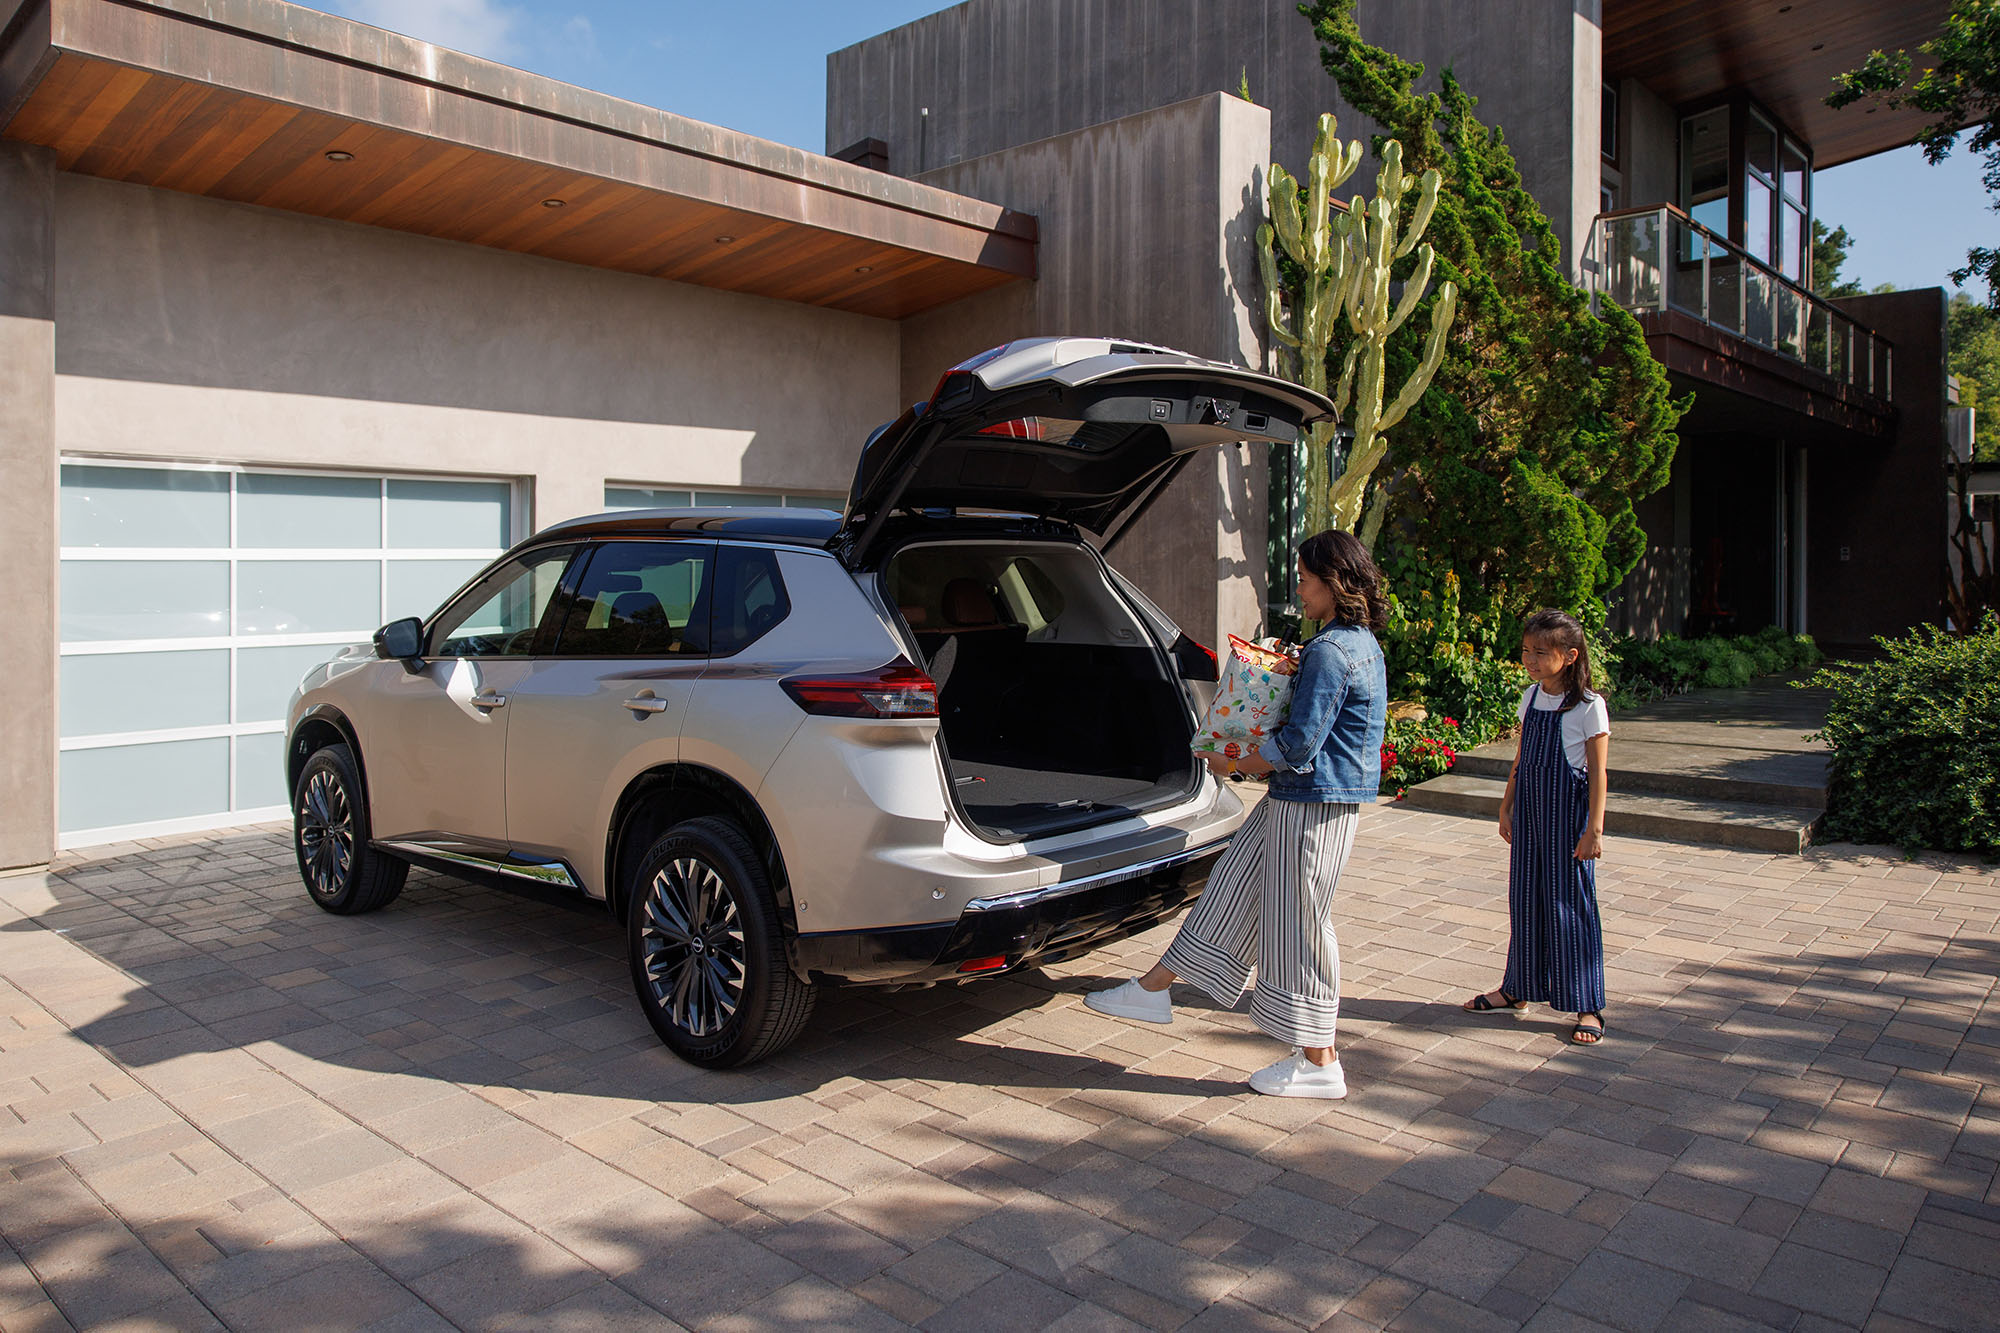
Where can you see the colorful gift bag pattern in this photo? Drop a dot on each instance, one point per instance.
(1251, 700)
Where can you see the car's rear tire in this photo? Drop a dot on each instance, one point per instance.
(707, 948)
(330, 832)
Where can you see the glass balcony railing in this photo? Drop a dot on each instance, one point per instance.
(1658, 259)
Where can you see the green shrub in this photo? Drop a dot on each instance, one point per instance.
(1916, 742)
(1648, 669)
(1459, 664)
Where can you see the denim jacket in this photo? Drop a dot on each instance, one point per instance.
(1330, 747)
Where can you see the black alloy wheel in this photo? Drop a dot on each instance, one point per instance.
(707, 949)
(330, 836)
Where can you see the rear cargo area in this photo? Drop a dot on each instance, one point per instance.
(1058, 709)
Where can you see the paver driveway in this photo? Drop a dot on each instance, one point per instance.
(226, 1107)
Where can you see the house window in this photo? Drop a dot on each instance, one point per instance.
(1607, 133)
(1794, 211)
(1705, 168)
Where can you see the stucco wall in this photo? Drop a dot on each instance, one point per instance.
(995, 74)
(27, 510)
(191, 328)
(1173, 262)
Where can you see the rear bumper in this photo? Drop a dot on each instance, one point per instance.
(1029, 928)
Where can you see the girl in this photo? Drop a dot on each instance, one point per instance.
(1552, 818)
(1269, 900)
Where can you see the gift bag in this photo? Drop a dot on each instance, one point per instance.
(1251, 700)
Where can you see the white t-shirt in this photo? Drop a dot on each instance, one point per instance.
(1579, 724)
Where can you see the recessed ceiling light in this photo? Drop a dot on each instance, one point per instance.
(864, 268)
(339, 155)
(724, 240)
(552, 203)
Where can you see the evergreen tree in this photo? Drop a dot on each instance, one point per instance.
(1518, 469)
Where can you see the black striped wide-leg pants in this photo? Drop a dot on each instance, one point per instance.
(1269, 905)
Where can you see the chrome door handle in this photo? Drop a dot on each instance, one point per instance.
(647, 703)
(488, 700)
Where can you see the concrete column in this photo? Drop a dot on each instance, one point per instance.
(27, 510)
(1174, 263)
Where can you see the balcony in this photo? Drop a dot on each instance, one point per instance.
(1715, 315)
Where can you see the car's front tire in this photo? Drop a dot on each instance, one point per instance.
(342, 872)
(707, 948)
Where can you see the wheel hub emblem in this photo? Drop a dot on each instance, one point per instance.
(699, 945)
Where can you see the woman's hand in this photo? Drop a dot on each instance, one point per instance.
(1507, 823)
(1250, 765)
(1591, 845)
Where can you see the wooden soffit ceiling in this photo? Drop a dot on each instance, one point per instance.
(244, 99)
(1784, 53)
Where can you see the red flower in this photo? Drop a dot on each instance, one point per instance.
(1451, 722)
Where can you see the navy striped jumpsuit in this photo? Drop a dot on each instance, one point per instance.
(1555, 955)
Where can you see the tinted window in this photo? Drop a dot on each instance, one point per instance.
(641, 599)
(750, 598)
(498, 616)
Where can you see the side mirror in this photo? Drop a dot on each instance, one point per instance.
(1194, 662)
(403, 641)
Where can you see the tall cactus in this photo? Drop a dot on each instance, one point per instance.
(1346, 257)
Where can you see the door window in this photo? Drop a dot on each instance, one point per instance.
(499, 615)
(641, 599)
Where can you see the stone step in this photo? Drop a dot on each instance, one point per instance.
(1737, 774)
(1756, 827)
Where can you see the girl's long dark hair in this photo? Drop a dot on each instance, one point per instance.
(1341, 559)
(1558, 630)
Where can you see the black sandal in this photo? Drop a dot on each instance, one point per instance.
(1587, 1036)
(1480, 1004)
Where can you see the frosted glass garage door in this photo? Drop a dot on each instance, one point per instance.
(666, 497)
(193, 600)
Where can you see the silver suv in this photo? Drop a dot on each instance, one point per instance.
(930, 739)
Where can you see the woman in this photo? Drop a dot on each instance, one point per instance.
(1269, 901)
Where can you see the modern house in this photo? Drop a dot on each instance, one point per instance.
(301, 321)
(1672, 144)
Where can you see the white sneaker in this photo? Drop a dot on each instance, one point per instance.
(1296, 1076)
(1131, 1000)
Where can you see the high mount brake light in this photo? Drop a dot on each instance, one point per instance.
(896, 690)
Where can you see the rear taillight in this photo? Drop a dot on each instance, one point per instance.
(895, 690)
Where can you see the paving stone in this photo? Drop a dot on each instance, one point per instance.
(1624, 1293)
(1822, 1283)
(1455, 1259)
(1693, 1245)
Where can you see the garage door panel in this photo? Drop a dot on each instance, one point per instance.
(181, 648)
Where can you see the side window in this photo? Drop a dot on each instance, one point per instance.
(499, 615)
(641, 599)
(750, 598)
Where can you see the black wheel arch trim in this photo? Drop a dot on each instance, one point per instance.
(297, 751)
(690, 791)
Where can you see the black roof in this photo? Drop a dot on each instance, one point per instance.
(802, 527)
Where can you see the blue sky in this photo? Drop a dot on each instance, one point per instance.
(761, 69)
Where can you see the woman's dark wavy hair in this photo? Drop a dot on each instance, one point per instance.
(1554, 629)
(1341, 559)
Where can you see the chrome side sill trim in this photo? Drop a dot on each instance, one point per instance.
(510, 864)
(1063, 888)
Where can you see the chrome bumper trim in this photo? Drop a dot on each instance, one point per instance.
(1063, 888)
